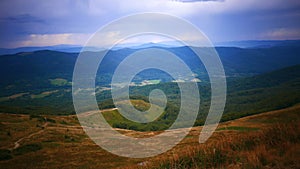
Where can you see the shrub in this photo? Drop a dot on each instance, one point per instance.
(27, 148)
(5, 154)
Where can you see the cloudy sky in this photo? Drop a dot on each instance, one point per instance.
(53, 22)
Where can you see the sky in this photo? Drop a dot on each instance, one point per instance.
(72, 22)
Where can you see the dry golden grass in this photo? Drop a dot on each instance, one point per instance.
(275, 145)
(267, 140)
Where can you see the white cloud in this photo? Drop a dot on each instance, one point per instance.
(54, 39)
(281, 34)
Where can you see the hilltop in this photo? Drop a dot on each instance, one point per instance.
(265, 140)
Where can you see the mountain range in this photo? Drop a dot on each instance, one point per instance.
(36, 68)
(78, 48)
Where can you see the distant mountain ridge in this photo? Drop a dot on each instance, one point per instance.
(236, 61)
(259, 43)
(78, 48)
(58, 48)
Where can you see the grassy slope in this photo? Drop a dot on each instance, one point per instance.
(266, 140)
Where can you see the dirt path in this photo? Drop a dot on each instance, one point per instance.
(89, 113)
(106, 110)
(17, 143)
(237, 122)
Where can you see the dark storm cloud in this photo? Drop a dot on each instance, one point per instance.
(33, 20)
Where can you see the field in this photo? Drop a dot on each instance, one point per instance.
(59, 82)
(43, 94)
(267, 140)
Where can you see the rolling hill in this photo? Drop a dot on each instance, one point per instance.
(246, 96)
(32, 70)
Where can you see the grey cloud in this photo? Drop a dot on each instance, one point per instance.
(192, 1)
(233, 21)
(24, 18)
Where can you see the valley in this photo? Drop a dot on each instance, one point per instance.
(163, 84)
(259, 127)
